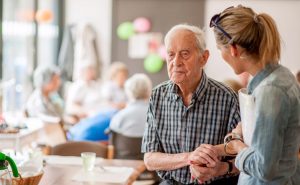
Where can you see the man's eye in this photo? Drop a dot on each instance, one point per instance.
(171, 55)
(185, 54)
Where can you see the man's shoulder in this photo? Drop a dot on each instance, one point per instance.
(220, 87)
(162, 87)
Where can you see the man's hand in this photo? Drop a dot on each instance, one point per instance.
(204, 155)
(203, 174)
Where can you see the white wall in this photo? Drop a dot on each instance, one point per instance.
(98, 13)
(286, 14)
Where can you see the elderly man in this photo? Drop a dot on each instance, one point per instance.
(187, 111)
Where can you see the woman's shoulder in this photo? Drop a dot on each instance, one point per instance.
(281, 78)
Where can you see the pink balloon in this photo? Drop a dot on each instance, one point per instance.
(162, 51)
(141, 24)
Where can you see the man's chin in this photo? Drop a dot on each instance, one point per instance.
(178, 81)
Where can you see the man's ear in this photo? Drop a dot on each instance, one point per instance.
(234, 50)
(205, 56)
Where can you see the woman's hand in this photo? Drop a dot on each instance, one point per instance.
(238, 129)
(202, 174)
(204, 155)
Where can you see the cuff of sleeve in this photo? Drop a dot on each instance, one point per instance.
(242, 157)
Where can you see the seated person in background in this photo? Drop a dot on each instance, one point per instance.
(45, 102)
(113, 90)
(131, 120)
(128, 125)
(83, 98)
(92, 128)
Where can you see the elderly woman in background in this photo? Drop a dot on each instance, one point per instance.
(131, 120)
(45, 101)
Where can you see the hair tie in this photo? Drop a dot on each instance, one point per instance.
(255, 17)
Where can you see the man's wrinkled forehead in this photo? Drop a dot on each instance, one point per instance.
(186, 39)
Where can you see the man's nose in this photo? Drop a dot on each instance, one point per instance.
(177, 61)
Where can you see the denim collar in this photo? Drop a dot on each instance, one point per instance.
(260, 76)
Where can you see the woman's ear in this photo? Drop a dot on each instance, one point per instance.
(234, 50)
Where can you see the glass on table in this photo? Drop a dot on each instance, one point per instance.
(88, 160)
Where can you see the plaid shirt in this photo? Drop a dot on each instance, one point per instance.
(174, 128)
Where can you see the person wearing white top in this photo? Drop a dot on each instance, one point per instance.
(45, 101)
(84, 95)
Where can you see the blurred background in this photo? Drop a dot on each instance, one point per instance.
(40, 32)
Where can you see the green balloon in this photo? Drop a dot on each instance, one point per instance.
(153, 63)
(125, 30)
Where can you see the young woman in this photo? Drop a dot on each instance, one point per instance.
(250, 42)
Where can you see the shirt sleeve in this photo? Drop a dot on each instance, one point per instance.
(151, 140)
(261, 159)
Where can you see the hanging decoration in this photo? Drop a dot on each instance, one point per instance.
(125, 30)
(143, 44)
(141, 24)
(153, 63)
(44, 16)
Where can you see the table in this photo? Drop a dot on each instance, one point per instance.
(25, 137)
(61, 174)
(37, 131)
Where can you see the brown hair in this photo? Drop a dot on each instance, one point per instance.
(256, 33)
(233, 84)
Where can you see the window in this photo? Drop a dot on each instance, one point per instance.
(30, 37)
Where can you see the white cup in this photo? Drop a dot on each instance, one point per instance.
(88, 160)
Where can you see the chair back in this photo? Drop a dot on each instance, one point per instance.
(75, 148)
(126, 147)
(130, 148)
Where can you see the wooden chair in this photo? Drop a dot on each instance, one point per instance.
(75, 148)
(64, 127)
(126, 147)
(130, 148)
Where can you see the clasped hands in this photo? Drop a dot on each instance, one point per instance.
(205, 163)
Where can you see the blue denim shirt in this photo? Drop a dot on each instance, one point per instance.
(272, 157)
